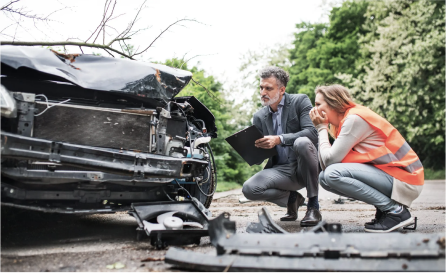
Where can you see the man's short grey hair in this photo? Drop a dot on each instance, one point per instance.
(281, 75)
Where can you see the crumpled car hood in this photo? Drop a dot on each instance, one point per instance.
(146, 80)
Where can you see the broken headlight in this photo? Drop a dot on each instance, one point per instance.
(7, 103)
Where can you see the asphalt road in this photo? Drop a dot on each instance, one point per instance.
(33, 241)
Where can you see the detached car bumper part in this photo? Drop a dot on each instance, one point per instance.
(324, 248)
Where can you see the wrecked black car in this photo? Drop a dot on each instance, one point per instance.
(86, 134)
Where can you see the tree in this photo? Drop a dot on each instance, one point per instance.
(304, 74)
(252, 63)
(99, 38)
(16, 15)
(321, 51)
(402, 76)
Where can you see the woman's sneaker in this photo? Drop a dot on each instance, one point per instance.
(390, 221)
(378, 215)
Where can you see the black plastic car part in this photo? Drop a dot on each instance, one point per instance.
(186, 210)
(265, 224)
(324, 248)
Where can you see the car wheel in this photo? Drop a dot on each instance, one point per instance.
(209, 186)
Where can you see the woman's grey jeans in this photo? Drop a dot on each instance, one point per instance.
(361, 182)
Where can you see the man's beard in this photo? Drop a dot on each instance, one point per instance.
(271, 100)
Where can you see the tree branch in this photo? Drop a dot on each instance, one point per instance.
(10, 3)
(20, 12)
(184, 19)
(102, 20)
(109, 52)
(209, 92)
(125, 50)
(131, 24)
(185, 62)
(6, 28)
(118, 39)
(65, 43)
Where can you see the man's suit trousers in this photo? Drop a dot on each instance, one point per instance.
(274, 184)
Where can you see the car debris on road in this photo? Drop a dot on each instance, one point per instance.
(171, 223)
(323, 248)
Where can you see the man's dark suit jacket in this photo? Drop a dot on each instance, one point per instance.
(295, 114)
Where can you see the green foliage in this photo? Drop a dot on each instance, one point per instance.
(227, 186)
(128, 49)
(391, 54)
(403, 72)
(304, 75)
(321, 51)
(230, 166)
(431, 174)
(252, 63)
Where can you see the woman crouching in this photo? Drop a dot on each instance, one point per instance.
(369, 160)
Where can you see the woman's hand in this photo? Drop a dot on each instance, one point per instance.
(316, 118)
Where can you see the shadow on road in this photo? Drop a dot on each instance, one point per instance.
(31, 228)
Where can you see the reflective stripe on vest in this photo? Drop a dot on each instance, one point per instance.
(396, 158)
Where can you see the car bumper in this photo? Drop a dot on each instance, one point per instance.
(116, 161)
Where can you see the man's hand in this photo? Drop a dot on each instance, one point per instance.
(267, 142)
(316, 118)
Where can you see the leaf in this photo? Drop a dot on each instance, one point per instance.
(117, 265)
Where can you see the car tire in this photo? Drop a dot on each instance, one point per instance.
(208, 187)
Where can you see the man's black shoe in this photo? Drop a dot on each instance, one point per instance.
(312, 217)
(390, 221)
(378, 215)
(292, 208)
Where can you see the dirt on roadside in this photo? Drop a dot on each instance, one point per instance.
(33, 241)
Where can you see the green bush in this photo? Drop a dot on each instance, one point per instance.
(391, 55)
(430, 174)
(227, 186)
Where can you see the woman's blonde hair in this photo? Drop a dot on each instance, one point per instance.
(338, 98)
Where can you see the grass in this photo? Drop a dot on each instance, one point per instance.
(227, 186)
(430, 174)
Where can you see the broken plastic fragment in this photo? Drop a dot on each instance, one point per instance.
(192, 224)
(150, 226)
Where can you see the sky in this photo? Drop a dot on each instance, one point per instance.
(224, 31)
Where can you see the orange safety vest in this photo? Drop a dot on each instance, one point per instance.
(396, 158)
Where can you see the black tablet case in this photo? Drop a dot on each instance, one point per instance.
(243, 143)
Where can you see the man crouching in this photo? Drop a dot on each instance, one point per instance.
(287, 127)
